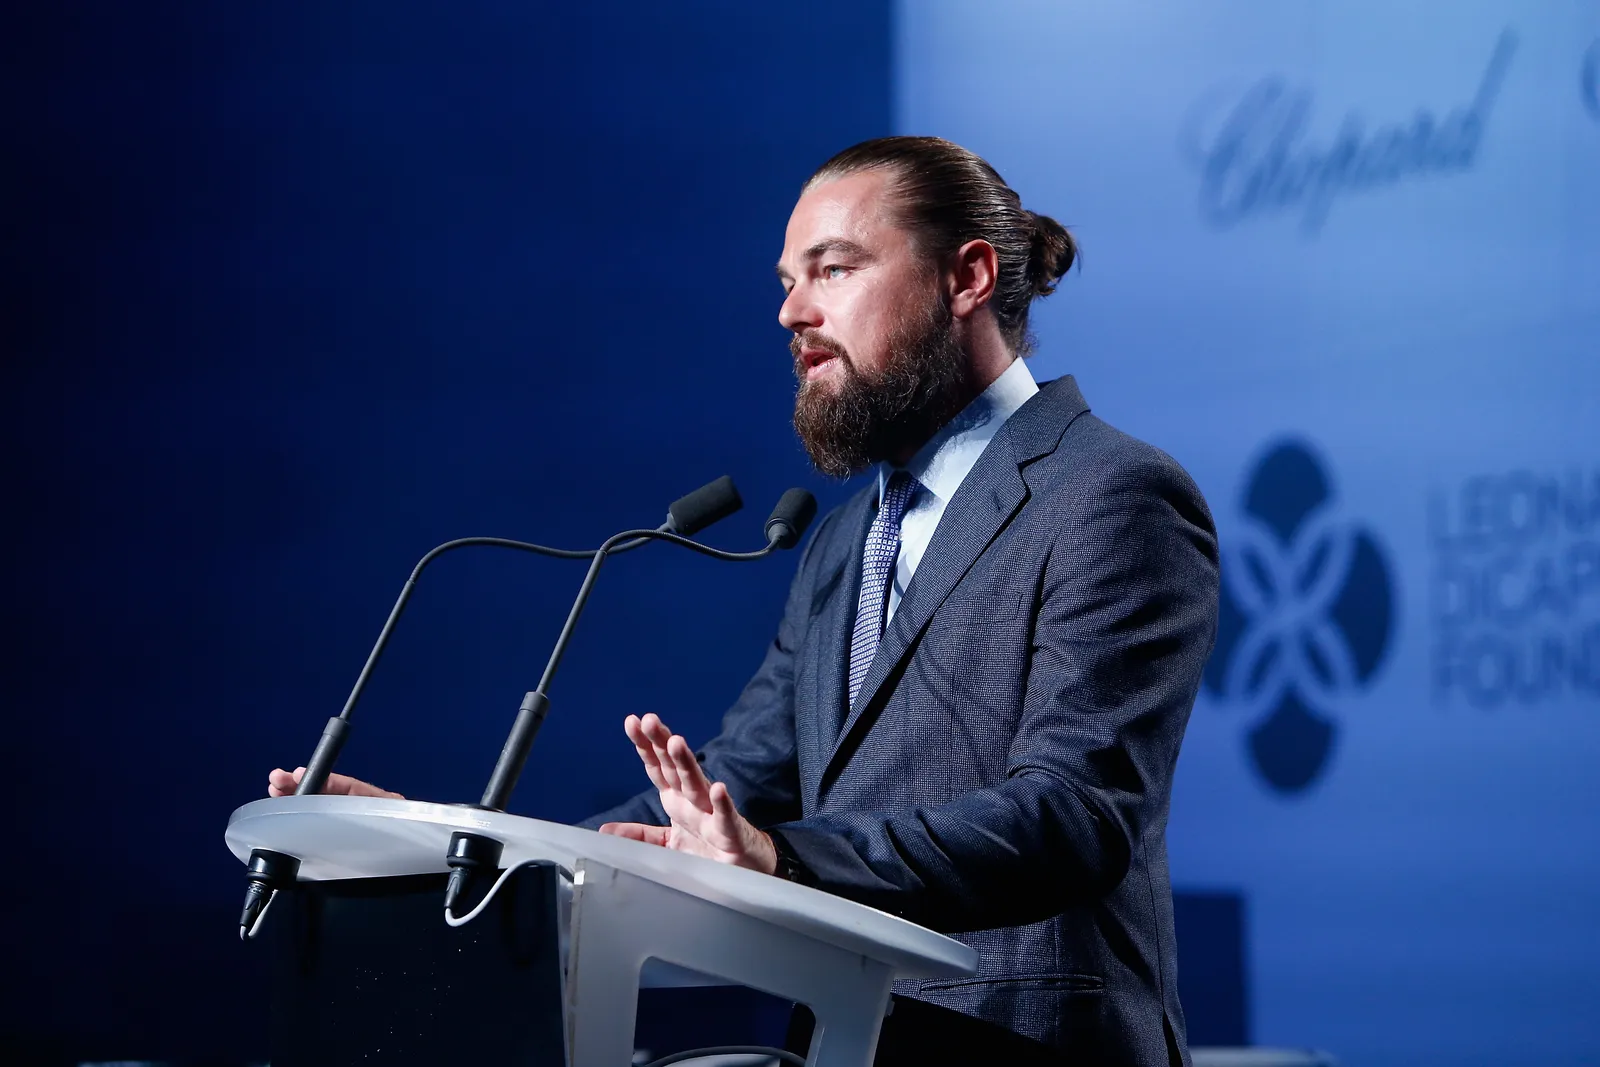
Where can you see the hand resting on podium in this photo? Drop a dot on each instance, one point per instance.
(281, 783)
(704, 820)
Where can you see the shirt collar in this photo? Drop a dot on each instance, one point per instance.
(941, 465)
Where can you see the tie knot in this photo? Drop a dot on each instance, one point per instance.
(896, 495)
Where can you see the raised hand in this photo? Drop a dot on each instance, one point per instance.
(281, 783)
(704, 820)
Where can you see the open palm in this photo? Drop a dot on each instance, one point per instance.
(704, 821)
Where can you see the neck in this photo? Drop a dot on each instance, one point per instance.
(987, 359)
(988, 353)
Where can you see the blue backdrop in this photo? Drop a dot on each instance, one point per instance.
(1339, 259)
(292, 295)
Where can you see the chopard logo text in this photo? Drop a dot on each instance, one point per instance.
(1257, 155)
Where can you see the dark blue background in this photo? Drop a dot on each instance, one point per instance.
(293, 293)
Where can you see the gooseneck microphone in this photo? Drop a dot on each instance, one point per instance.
(790, 517)
(686, 516)
(269, 871)
(470, 852)
(689, 514)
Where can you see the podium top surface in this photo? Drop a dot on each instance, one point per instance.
(371, 837)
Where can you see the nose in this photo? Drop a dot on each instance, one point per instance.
(799, 312)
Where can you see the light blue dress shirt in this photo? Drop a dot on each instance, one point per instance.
(942, 464)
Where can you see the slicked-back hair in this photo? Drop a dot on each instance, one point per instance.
(947, 196)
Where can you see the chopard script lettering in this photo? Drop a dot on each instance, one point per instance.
(1261, 157)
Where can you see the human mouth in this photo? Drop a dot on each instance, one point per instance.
(817, 361)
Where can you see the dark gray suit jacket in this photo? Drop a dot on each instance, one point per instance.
(1006, 770)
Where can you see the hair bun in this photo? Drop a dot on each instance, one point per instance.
(1051, 255)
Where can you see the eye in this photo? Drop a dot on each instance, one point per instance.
(829, 271)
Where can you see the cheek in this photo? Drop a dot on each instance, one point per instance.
(861, 326)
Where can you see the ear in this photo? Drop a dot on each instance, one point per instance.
(971, 276)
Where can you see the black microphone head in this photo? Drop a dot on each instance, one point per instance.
(711, 503)
(790, 517)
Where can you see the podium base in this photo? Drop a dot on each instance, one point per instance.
(621, 921)
(367, 972)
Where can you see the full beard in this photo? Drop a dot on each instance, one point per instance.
(925, 382)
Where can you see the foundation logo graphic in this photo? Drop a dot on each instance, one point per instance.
(1307, 615)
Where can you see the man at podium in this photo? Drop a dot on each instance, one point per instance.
(973, 706)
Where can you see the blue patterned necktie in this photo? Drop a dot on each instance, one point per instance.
(877, 570)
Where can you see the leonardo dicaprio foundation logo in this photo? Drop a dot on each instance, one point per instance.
(1307, 615)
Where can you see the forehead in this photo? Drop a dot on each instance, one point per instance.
(853, 208)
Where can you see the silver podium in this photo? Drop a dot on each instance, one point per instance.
(633, 904)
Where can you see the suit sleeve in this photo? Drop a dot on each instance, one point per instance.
(1125, 619)
(754, 753)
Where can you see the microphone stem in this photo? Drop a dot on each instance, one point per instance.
(381, 644)
(611, 546)
(535, 705)
(326, 754)
(572, 618)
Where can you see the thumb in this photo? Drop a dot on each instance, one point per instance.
(634, 831)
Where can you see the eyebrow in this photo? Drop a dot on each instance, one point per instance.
(835, 245)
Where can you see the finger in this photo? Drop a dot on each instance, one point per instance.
(343, 785)
(355, 787)
(657, 731)
(723, 828)
(338, 785)
(647, 752)
(634, 831)
(722, 802)
(692, 779)
(633, 726)
(686, 814)
(281, 783)
(658, 734)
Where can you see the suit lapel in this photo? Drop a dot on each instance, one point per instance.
(830, 651)
(990, 496)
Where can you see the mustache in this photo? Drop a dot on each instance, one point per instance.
(814, 338)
